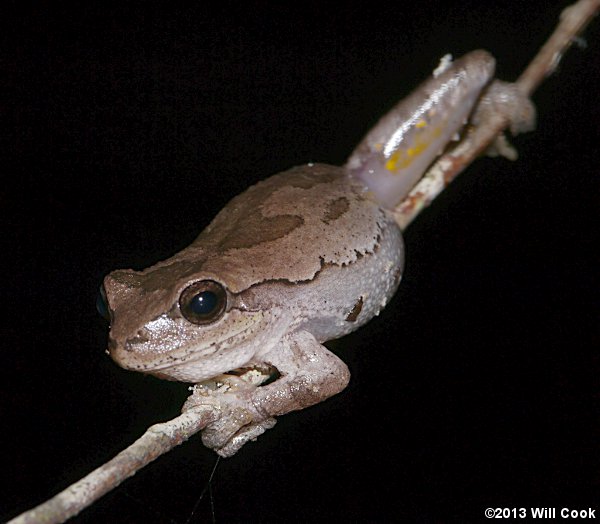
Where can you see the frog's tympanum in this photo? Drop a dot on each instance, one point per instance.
(305, 256)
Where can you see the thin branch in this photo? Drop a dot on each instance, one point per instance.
(161, 438)
(572, 21)
(157, 440)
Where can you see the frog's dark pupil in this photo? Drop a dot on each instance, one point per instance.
(203, 303)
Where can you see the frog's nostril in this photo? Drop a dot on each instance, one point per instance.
(140, 338)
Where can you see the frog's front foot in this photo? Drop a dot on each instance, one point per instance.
(237, 419)
(245, 401)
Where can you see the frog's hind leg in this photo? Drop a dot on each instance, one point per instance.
(393, 156)
(501, 105)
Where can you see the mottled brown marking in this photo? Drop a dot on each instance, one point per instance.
(263, 230)
(157, 277)
(335, 209)
(353, 315)
(126, 277)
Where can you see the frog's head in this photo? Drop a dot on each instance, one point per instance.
(178, 322)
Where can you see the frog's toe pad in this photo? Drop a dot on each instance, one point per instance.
(246, 434)
(217, 434)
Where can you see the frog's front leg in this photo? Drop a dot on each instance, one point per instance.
(308, 374)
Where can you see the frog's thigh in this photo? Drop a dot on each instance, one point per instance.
(310, 373)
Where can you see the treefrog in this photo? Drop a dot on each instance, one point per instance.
(303, 257)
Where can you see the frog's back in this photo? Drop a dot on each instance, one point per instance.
(289, 226)
(312, 227)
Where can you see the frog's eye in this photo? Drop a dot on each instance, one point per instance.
(203, 302)
(102, 304)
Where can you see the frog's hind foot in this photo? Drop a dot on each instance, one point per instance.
(508, 100)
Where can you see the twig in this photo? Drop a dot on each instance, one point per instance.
(157, 440)
(572, 21)
(161, 438)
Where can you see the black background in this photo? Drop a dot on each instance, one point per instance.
(129, 128)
